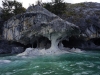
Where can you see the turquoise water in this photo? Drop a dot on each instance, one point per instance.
(87, 63)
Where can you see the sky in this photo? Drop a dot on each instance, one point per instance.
(26, 3)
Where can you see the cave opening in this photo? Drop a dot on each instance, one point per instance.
(43, 42)
(33, 45)
(96, 41)
(72, 42)
(39, 42)
(65, 43)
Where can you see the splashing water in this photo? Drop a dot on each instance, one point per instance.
(87, 63)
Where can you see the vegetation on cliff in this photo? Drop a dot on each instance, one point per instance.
(11, 8)
(57, 7)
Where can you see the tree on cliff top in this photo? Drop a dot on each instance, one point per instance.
(57, 1)
(38, 2)
(57, 7)
(11, 8)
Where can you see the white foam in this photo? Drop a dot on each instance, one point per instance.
(76, 50)
(50, 51)
(34, 52)
(5, 61)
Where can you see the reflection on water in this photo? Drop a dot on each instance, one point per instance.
(87, 63)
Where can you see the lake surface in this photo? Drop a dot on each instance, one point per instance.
(86, 63)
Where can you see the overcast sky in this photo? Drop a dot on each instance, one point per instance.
(26, 3)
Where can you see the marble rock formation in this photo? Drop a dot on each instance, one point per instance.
(26, 28)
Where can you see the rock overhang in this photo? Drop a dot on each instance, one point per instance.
(37, 21)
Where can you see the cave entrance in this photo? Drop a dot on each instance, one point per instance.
(65, 43)
(39, 42)
(43, 42)
(73, 41)
(33, 45)
(96, 41)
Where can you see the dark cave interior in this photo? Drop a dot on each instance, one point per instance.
(96, 41)
(43, 42)
(72, 42)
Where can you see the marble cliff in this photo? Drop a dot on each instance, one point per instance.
(39, 27)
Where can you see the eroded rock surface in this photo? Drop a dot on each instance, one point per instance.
(36, 22)
(86, 15)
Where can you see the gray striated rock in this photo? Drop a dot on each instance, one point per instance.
(0, 11)
(7, 47)
(86, 15)
(37, 21)
(1, 23)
